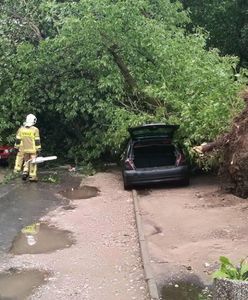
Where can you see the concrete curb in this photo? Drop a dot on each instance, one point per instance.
(152, 286)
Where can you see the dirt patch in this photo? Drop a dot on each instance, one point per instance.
(41, 238)
(198, 224)
(217, 199)
(222, 200)
(19, 284)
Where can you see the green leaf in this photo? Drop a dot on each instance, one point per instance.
(96, 68)
(219, 274)
(225, 261)
(244, 270)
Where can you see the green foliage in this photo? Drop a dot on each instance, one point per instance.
(228, 270)
(51, 178)
(227, 23)
(91, 69)
(87, 169)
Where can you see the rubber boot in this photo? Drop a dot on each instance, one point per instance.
(32, 179)
(24, 176)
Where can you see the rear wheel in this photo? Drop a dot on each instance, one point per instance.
(185, 181)
(126, 185)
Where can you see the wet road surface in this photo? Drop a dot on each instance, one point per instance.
(101, 259)
(23, 203)
(19, 284)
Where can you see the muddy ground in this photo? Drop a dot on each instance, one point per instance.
(189, 228)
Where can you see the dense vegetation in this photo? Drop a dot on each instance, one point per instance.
(227, 24)
(90, 69)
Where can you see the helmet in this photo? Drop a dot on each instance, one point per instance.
(30, 120)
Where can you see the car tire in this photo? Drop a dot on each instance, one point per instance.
(127, 186)
(185, 181)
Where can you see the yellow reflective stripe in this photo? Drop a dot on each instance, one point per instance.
(27, 134)
(29, 151)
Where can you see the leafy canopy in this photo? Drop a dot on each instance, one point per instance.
(90, 69)
(227, 23)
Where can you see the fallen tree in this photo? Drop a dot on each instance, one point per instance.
(90, 69)
(233, 169)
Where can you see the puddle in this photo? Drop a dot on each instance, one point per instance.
(83, 192)
(41, 238)
(19, 284)
(185, 291)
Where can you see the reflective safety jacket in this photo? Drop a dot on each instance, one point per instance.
(28, 139)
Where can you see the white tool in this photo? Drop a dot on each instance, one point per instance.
(41, 159)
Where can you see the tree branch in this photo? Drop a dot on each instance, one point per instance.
(35, 29)
(129, 79)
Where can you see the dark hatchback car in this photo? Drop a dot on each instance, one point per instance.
(152, 157)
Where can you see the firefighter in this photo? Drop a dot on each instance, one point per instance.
(28, 146)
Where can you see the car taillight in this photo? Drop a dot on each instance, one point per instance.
(129, 165)
(180, 160)
(6, 151)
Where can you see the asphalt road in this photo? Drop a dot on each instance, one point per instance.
(23, 203)
(104, 261)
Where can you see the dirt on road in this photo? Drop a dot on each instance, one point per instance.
(189, 228)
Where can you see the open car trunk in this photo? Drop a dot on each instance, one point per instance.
(154, 155)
